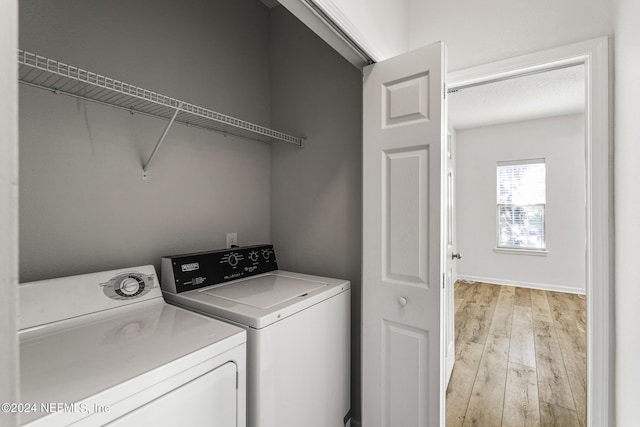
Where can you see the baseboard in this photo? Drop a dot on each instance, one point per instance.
(531, 285)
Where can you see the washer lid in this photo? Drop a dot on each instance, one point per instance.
(262, 300)
(265, 291)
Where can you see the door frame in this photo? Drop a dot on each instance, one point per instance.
(9, 358)
(594, 55)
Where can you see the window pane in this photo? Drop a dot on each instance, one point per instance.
(521, 184)
(521, 226)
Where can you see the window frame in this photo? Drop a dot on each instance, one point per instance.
(522, 249)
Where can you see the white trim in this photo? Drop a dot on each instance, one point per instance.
(335, 13)
(522, 162)
(594, 55)
(523, 251)
(308, 17)
(9, 359)
(529, 285)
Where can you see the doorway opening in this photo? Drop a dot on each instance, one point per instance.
(533, 318)
(520, 312)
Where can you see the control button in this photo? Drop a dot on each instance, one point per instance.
(253, 256)
(233, 260)
(129, 286)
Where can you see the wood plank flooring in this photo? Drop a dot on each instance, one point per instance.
(520, 358)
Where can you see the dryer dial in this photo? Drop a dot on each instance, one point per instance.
(127, 285)
(130, 286)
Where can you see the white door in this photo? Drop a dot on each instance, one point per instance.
(402, 334)
(450, 255)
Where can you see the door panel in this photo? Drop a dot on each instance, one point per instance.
(404, 391)
(406, 101)
(404, 221)
(402, 227)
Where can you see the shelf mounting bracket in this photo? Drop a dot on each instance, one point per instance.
(145, 167)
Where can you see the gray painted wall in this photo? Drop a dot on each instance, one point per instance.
(560, 141)
(83, 205)
(316, 192)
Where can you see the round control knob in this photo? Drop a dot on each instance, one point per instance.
(233, 260)
(402, 301)
(129, 286)
(266, 254)
(253, 256)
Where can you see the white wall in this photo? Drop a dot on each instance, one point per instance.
(8, 208)
(83, 205)
(316, 191)
(478, 32)
(627, 206)
(560, 141)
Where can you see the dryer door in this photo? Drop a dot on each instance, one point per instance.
(207, 400)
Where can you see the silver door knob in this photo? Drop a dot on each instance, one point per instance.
(402, 301)
(455, 256)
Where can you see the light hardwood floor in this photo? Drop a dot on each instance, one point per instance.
(520, 358)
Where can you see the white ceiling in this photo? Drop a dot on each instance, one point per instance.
(552, 93)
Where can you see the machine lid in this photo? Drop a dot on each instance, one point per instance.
(265, 291)
(114, 354)
(263, 300)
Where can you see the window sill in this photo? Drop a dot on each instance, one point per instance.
(535, 252)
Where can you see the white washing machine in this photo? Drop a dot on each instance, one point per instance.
(105, 349)
(298, 329)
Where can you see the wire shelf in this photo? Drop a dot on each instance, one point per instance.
(68, 80)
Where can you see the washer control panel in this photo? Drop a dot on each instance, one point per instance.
(183, 273)
(127, 285)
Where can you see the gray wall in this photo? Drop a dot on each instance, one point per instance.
(316, 192)
(83, 205)
(560, 141)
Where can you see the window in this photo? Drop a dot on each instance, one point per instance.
(521, 204)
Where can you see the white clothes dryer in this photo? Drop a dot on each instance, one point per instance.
(105, 349)
(298, 331)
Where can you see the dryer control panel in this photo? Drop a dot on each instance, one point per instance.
(181, 273)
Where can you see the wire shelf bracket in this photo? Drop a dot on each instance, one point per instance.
(145, 167)
(59, 78)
